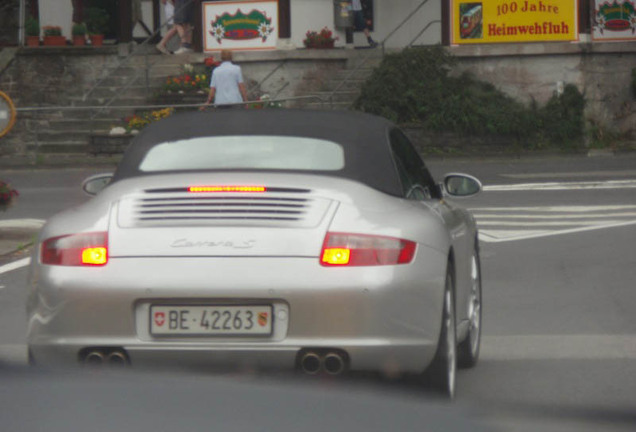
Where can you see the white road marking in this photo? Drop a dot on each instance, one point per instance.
(586, 174)
(499, 236)
(553, 186)
(497, 224)
(15, 354)
(15, 265)
(567, 209)
(22, 223)
(559, 347)
(550, 224)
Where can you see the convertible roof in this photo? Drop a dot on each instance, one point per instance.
(364, 138)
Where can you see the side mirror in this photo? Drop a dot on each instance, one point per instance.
(461, 185)
(94, 184)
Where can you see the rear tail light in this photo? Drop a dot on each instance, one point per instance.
(86, 249)
(341, 249)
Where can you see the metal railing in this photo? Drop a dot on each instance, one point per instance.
(135, 51)
(37, 114)
(366, 58)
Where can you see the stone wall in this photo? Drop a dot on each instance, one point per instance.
(53, 77)
(601, 71)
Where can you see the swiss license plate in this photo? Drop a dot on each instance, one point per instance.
(211, 320)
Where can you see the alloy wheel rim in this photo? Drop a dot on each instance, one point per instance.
(475, 307)
(450, 344)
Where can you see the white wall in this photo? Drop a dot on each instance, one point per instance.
(57, 13)
(316, 14)
(389, 14)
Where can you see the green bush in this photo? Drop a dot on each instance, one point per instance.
(97, 20)
(415, 86)
(32, 26)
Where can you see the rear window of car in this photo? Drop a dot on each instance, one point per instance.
(245, 152)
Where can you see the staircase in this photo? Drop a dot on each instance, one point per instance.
(344, 85)
(85, 112)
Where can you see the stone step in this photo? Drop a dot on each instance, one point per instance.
(53, 148)
(344, 85)
(62, 137)
(121, 100)
(336, 106)
(339, 96)
(140, 80)
(85, 125)
(360, 74)
(99, 93)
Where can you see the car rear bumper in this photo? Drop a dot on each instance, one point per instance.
(384, 318)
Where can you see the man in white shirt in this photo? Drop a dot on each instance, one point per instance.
(226, 85)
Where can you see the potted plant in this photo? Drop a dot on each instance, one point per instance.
(79, 34)
(53, 36)
(320, 40)
(7, 195)
(97, 24)
(32, 29)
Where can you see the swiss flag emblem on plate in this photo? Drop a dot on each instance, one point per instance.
(160, 318)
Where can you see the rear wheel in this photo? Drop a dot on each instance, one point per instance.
(468, 349)
(441, 374)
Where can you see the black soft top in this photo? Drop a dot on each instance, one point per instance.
(364, 138)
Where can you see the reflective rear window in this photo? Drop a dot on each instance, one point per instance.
(245, 152)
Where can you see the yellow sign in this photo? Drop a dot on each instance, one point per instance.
(7, 114)
(500, 21)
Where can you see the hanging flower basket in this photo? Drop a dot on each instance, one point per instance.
(8, 195)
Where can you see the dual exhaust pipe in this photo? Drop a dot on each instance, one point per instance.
(97, 357)
(313, 362)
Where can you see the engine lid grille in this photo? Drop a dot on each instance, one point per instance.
(177, 207)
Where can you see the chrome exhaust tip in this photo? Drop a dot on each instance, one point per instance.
(94, 358)
(311, 363)
(334, 364)
(117, 358)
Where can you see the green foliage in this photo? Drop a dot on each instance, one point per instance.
(415, 86)
(561, 119)
(634, 82)
(97, 20)
(79, 29)
(32, 26)
(52, 30)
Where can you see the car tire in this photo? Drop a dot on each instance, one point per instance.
(468, 349)
(442, 372)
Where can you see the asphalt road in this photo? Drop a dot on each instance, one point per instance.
(558, 262)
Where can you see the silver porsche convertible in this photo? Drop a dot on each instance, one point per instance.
(283, 239)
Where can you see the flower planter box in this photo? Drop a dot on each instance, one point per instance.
(33, 41)
(97, 40)
(79, 40)
(54, 41)
(109, 144)
(326, 45)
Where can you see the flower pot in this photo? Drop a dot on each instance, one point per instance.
(323, 45)
(79, 40)
(54, 41)
(33, 41)
(97, 40)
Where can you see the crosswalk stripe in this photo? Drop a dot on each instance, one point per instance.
(501, 224)
(554, 186)
(559, 347)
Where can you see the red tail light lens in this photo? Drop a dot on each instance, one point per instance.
(86, 249)
(341, 249)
